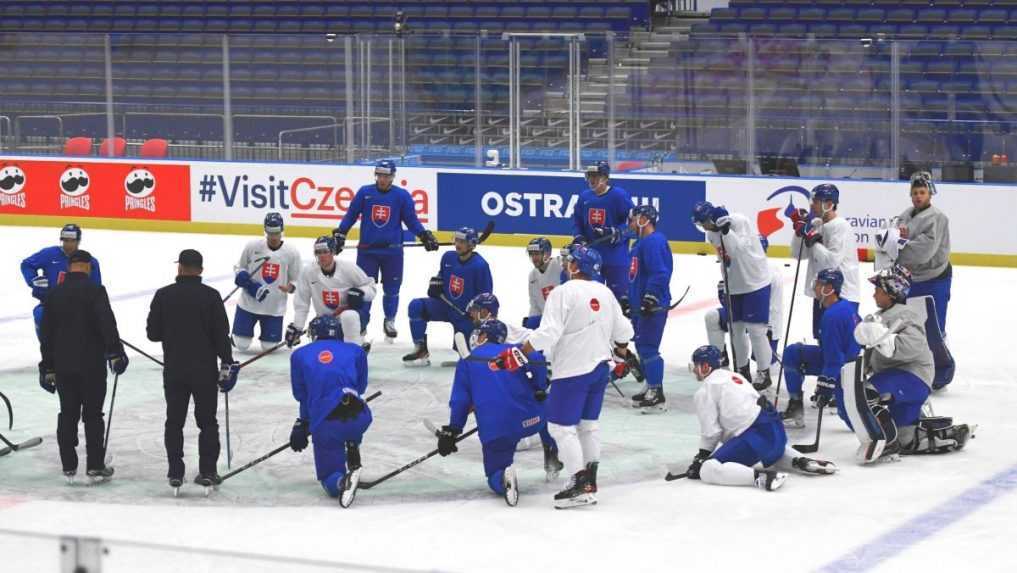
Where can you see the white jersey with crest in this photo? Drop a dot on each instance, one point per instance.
(327, 293)
(581, 323)
(281, 268)
(726, 405)
(541, 285)
(749, 270)
(838, 250)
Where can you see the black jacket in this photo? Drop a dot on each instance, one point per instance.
(78, 328)
(189, 319)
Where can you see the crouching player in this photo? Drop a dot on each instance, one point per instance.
(507, 404)
(329, 378)
(731, 411)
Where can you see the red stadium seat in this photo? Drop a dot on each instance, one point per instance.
(155, 149)
(78, 146)
(119, 147)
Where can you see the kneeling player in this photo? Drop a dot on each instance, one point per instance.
(884, 395)
(507, 406)
(329, 379)
(731, 411)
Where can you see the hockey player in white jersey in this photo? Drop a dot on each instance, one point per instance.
(544, 277)
(267, 274)
(739, 429)
(748, 274)
(582, 330)
(333, 286)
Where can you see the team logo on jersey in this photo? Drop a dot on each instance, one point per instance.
(633, 268)
(139, 186)
(546, 291)
(12, 186)
(325, 357)
(530, 422)
(596, 217)
(380, 215)
(74, 183)
(331, 298)
(595, 304)
(456, 285)
(270, 272)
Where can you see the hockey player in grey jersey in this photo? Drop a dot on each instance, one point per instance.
(544, 277)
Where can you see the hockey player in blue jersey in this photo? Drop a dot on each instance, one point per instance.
(837, 347)
(507, 406)
(462, 275)
(329, 378)
(47, 268)
(601, 218)
(383, 209)
(650, 268)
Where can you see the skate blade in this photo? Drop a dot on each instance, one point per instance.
(389, 340)
(416, 363)
(658, 409)
(449, 363)
(551, 476)
(870, 452)
(578, 501)
(794, 424)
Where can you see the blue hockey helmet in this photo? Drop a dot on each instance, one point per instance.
(494, 329)
(539, 245)
(467, 234)
(324, 327)
(587, 260)
(702, 212)
(706, 355)
(764, 242)
(273, 223)
(826, 192)
(599, 168)
(70, 232)
(895, 281)
(648, 211)
(832, 277)
(923, 179)
(385, 167)
(323, 244)
(484, 301)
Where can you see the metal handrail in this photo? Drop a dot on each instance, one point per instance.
(312, 128)
(7, 120)
(17, 125)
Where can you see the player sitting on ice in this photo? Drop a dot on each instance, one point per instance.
(336, 288)
(507, 406)
(836, 348)
(462, 275)
(733, 414)
(329, 378)
(268, 271)
(885, 393)
(545, 275)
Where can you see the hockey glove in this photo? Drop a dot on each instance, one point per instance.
(242, 279)
(40, 286)
(875, 334)
(340, 239)
(427, 238)
(47, 379)
(447, 440)
(609, 235)
(228, 373)
(723, 224)
(626, 307)
(621, 367)
(648, 305)
(349, 408)
(540, 395)
(800, 221)
(510, 359)
(434, 287)
(355, 298)
(298, 435)
(697, 464)
(292, 335)
(825, 387)
(812, 236)
(118, 362)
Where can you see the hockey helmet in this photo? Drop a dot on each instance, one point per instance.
(706, 355)
(648, 211)
(324, 327)
(273, 223)
(826, 192)
(484, 301)
(895, 281)
(324, 243)
(70, 232)
(587, 260)
(467, 234)
(494, 329)
(539, 245)
(385, 167)
(832, 277)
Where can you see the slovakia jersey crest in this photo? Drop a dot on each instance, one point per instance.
(270, 272)
(380, 215)
(546, 291)
(633, 268)
(596, 217)
(331, 298)
(456, 285)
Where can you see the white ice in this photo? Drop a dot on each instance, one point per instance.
(440, 515)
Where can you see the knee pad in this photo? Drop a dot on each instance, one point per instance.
(712, 319)
(496, 481)
(242, 342)
(331, 484)
(350, 322)
(416, 309)
(588, 426)
(560, 433)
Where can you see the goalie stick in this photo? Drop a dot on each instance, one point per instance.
(484, 234)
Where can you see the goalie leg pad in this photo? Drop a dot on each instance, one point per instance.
(870, 419)
(937, 435)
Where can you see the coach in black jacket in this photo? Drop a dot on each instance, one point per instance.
(189, 319)
(78, 335)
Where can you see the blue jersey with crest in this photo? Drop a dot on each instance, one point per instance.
(650, 268)
(322, 372)
(837, 337)
(608, 210)
(52, 261)
(461, 281)
(382, 215)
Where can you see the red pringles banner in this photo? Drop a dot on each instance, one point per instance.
(85, 188)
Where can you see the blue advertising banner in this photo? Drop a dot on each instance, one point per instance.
(543, 204)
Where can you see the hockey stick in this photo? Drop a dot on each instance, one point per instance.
(236, 288)
(141, 352)
(787, 329)
(10, 411)
(263, 354)
(109, 423)
(451, 304)
(813, 447)
(484, 234)
(12, 447)
(727, 299)
(395, 472)
(671, 477)
(229, 450)
(285, 446)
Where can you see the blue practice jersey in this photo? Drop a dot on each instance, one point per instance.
(53, 263)
(650, 268)
(383, 216)
(322, 372)
(608, 210)
(461, 281)
(503, 401)
(837, 337)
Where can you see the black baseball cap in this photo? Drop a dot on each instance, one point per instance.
(190, 258)
(80, 256)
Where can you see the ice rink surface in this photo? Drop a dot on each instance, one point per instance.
(942, 513)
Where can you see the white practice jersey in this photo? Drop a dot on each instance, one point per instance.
(838, 250)
(726, 407)
(328, 293)
(516, 334)
(749, 270)
(582, 320)
(541, 285)
(776, 324)
(281, 268)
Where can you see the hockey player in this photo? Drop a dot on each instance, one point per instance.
(53, 264)
(650, 266)
(268, 271)
(748, 276)
(827, 242)
(545, 275)
(885, 398)
(384, 209)
(600, 220)
(462, 275)
(329, 378)
(335, 287)
(507, 405)
(836, 348)
(733, 415)
(583, 328)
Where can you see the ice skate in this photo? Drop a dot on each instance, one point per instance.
(208, 481)
(591, 476)
(652, 402)
(770, 480)
(175, 483)
(638, 396)
(725, 360)
(794, 416)
(420, 356)
(351, 481)
(811, 466)
(511, 485)
(101, 475)
(745, 372)
(762, 380)
(69, 476)
(575, 494)
(366, 346)
(390, 330)
(552, 465)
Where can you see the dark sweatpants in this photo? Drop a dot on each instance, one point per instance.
(81, 398)
(178, 396)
